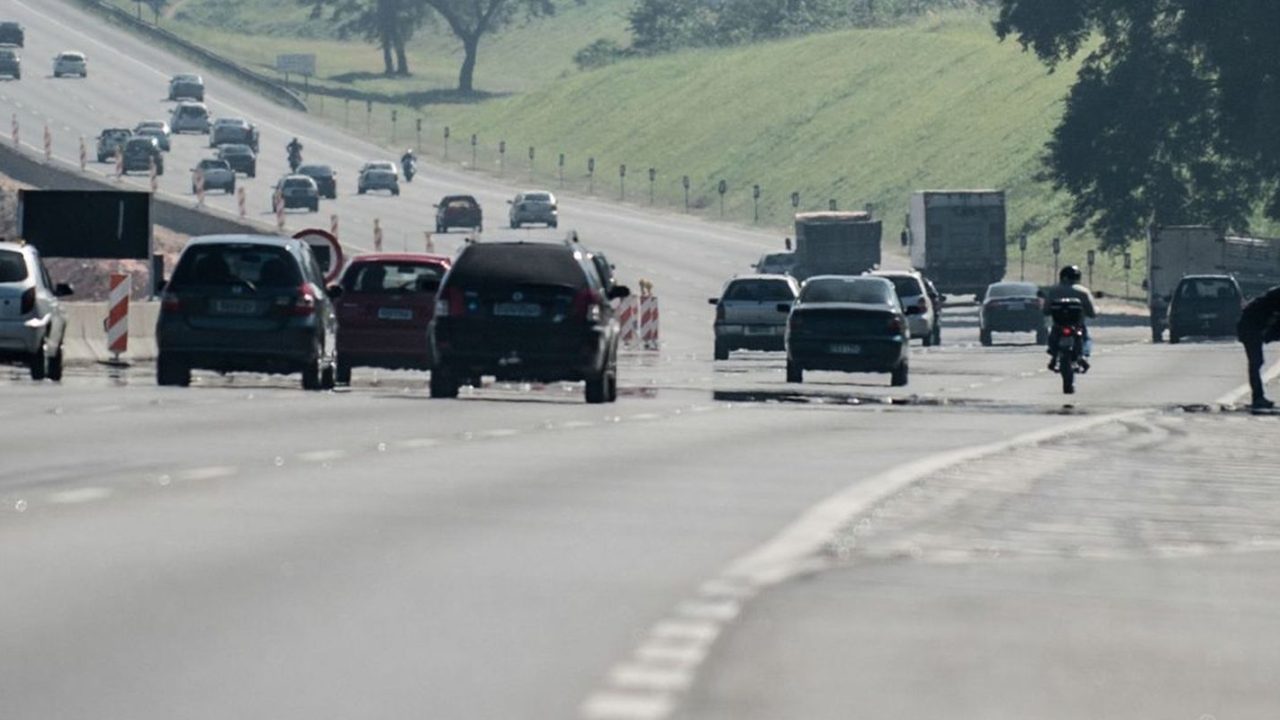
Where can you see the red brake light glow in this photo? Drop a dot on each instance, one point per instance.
(305, 304)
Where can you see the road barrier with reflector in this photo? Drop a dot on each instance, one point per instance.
(648, 316)
(48, 144)
(240, 201)
(629, 319)
(117, 322)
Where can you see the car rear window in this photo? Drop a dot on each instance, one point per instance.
(236, 150)
(506, 264)
(1003, 290)
(189, 111)
(1207, 290)
(461, 204)
(847, 291)
(759, 291)
(297, 183)
(246, 264)
(393, 277)
(13, 267)
(906, 286)
(316, 170)
(214, 165)
(538, 197)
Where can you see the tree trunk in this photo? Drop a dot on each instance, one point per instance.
(470, 46)
(388, 68)
(402, 60)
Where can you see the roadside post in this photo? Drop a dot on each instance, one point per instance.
(722, 188)
(116, 323)
(278, 200)
(333, 225)
(119, 163)
(446, 142)
(368, 116)
(1090, 258)
(430, 244)
(16, 136)
(530, 163)
(1057, 251)
(1022, 253)
(502, 157)
(591, 176)
(685, 181)
(199, 187)
(561, 170)
(653, 176)
(418, 128)
(377, 235)
(795, 200)
(240, 201)
(474, 141)
(346, 112)
(831, 204)
(1128, 265)
(151, 170)
(394, 117)
(622, 182)
(755, 203)
(48, 144)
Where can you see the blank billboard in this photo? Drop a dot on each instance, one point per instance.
(86, 223)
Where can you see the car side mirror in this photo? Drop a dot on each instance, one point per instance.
(618, 292)
(942, 299)
(334, 291)
(713, 301)
(784, 307)
(913, 310)
(63, 290)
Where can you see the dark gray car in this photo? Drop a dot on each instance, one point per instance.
(10, 64)
(534, 206)
(246, 303)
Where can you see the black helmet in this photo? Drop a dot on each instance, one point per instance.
(1070, 274)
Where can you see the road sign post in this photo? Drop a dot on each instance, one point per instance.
(622, 182)
(755, 203)
(722, 188)
(474, 141)
(1128, 265)
(795, 200)
(1057, 251)
(560, 169)
(653, 176)
(446, 142)
(591, 176)
(419, 131)
(327, 250)
(502, 157)
(368, 115)
(394, 116)
(84, 155)
(1089, 259)
(1022, 253)
(530, 163)
(685, 182)
(831, 204)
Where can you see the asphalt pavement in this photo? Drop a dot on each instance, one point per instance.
(241, 548)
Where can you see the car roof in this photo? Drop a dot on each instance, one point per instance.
(297, 177)
(402, 257)
(23, 248)
(763, 276)
(314, 166)
(244, 239)
(70, 53)
(186, 76)
(1209, 276)
(849, 278)
(237, 147)
(896, 273)
(451, 198)
(192, 103)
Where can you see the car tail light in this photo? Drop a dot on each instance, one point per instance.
(1066, 331)
(28, 300)
(170, 302)
(720, 311)
(305, 304)
(586, 305)
(895, 325)
(449, 303)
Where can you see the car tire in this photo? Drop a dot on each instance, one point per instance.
(1157, 336)
(515, 225)
(443, 384)
(311, 376)
(554, 225)
(1042, 337)
(721, 351)
(984, 337)
(327, 377)
(597, 389)
(231, 189)
(253, 172)
(343, 376)
(38, 363)
(1174, 339)
(171, 372)
(315, 206)
(441, 228)
(795, 373)
(359, 191)
(55, 366)
(396, 192)
(57, 74)
(900, 375)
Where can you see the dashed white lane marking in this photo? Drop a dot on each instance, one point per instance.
(572, 424)
(206, 473)
(79, 495)
(318, 456)
(665, 664)
(497, 433)
(646, 416)
(417, 443)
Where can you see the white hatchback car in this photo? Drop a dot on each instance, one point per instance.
(913, 289)
(32, 321)
(70, 62)
(190, 117)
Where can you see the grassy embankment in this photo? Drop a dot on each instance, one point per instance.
(862, 116)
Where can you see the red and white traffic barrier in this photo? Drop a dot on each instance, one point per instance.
(84, 155)
(431, 243)
(240, 200)
(151, 170)
(16, 137)
(117, 322)
(198, 183)
(648, 317)
(278, 200)
(119, 163)
(48, 144)
(333, 225)
(629, 319)
(377, 235)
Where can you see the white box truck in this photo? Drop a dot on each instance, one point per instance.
(957, 238)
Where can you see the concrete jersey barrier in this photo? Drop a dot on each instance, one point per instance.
(86, 338)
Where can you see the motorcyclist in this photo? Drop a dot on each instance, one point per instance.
(294, 149)
(408, 162)
(1069, 287)
(1259, 324)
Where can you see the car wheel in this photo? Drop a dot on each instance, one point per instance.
(984, 337)
(253, 172)
(1042, 336)
(343, 376)
(554, 225)
(1157, 335)
(900, 374)
(597, 390)
(39, 363)
(171, 372)
(722, 351)
(55, 367)
(231, 189)
(315, 206)
(359, 191)
(57, 74)
(611, 394)
(396, 191)
(443, 384)
(440, 228)
(1174, 339)
(327, 379)
(795, 373)
(311, 376)
(515, 225)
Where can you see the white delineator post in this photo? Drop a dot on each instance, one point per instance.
(431, 244)
(117, 322)
(16, 136)
(119, 163)
(333, 225)
(278, 199)
(377, 235)
(151, 170)
(48, 144)
(240, 200)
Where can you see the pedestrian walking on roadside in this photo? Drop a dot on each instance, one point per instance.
(1259, 324)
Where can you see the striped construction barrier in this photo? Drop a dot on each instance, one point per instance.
(629, 319)
(649, 322)
(48, 144)
(117, 322)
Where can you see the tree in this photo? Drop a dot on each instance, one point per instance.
(1173, 113)
(389, 23)
(471, 20)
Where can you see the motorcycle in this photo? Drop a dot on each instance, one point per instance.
(295, 160)
(410, 167)
(1067, 341)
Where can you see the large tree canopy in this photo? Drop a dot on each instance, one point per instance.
(1175, 115)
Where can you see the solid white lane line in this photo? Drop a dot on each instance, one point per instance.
(627, 706)
(1268, 376)
(317, 456)
(206, 473)
(80, 495)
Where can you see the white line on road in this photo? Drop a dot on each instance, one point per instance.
(1238, 394)
(319, 456)
(80, 495)
(206, 473)
(627, 706)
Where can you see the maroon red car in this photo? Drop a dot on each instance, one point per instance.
(386, 303)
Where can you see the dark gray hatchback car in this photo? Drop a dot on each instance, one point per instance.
(247, 303)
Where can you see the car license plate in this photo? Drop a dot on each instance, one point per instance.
(846, 349)
(395, 314)
(235, 307)
(523, 310)
(761, 330)
(1208, 316)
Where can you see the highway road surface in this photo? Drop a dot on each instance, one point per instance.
(718, 544)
